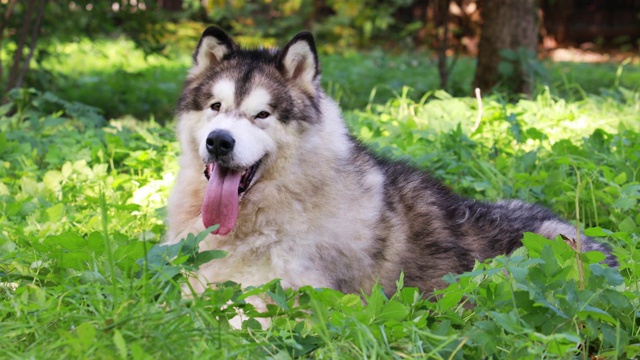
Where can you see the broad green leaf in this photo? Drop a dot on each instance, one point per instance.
(251, 324)
(508, 321)
(68, 240)
(596, 313)
(4, 190)
(374, 302)
(612, 275)
(628, 225)
(29, 186)
(350, 300)
(279, 297)
(166, 272)
(206, 256)
(67, 168)
(95, 242)
(621, 178)
(550, 265)
(597, 232)
(127, 255)
(86, 334)
(120, 343)
(592, 257)
(53, 180)
(558, 343)
(449, 300)
(614, 336)
(625, 203)
(5, 108)
(618, 299)
(55, 212)
(534, 243)
(78, 260)
(393, 310)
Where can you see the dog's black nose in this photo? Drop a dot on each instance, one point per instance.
(220, 142)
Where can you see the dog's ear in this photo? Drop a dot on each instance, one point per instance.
(299, 61)
(213, 46)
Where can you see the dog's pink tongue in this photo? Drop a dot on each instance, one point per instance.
(220, 204)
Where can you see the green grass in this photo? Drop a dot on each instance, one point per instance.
(82, 209)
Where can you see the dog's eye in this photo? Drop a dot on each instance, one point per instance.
(262, 115)
(216, 106)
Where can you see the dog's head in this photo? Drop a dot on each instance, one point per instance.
(236, 106)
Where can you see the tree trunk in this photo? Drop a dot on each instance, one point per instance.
(442, 24)
(18, 55)
(510, 25)
(3, 25)
(27, 39)
(170, 5)
(35, 32)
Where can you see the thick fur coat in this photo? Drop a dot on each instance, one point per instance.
(298, 198)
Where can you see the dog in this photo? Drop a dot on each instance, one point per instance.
(296, 197)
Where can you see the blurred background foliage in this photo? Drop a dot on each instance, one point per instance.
(38, 35)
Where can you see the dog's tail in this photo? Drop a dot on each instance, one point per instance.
(556, 227)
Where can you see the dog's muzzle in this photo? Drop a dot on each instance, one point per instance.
(225, 182)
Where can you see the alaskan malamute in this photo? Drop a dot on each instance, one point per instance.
(297, 198)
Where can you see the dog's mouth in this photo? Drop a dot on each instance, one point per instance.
(222, 195)
(245, 179)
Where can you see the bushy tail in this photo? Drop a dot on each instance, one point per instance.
(552, 228)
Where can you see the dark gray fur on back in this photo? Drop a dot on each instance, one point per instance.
(446, 232)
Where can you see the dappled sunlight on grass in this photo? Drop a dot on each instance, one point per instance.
(98, 56)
